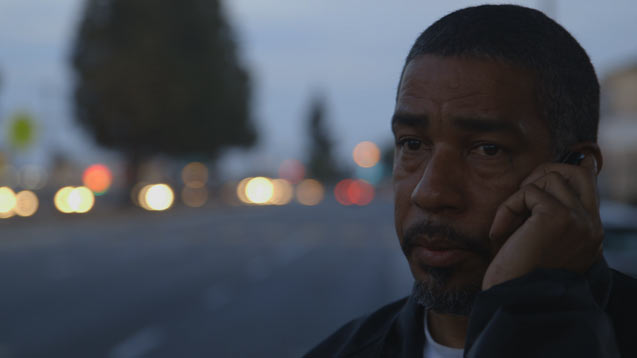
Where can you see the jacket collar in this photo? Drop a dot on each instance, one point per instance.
(406, 337)
(599, 278)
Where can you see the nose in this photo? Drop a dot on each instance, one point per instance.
(440, 189)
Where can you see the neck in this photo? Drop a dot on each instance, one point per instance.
(446, 329)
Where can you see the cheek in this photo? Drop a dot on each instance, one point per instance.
(402, 198)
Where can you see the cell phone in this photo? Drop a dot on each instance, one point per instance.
(574, 158)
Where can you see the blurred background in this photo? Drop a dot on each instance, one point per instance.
(211, 178)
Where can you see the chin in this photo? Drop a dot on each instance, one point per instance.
(458, 277)
(445, 289)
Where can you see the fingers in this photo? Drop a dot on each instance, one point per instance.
(514, 211)
(580, 179)
(551, 221)
(556, 185)
(552, 190)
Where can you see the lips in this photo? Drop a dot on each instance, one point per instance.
(439, 244)
(439, 253)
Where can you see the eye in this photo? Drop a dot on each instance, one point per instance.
(410, 144)
(488, 149)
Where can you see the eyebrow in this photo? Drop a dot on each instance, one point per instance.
(471, 124)
(487, 125)
(409, 120)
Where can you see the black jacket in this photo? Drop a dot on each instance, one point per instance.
(547, 313)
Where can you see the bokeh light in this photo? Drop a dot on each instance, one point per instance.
(310, 192)
(350, 192)
(259, 190)
(292, 170)
(340, 192)
(74, 200)
(26, 203)
(157, 197)
(81, 200)
(141, 196)
(195, 175)
(366, 154)
(7, 202)
(135, 193)
(97, 178)
(241, 191)
(283, 192)
(361, 192)
(61, 200)
(194, 197)
(7, 215)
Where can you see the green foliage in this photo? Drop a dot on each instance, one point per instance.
(21, 131)
(321, 164)
(161, 77)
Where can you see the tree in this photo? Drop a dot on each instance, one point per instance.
(321, 163)
(160, 77)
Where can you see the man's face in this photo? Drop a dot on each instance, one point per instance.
(467, 132)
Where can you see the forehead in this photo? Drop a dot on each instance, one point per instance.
(439, 86)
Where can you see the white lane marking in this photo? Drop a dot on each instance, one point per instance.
(137, 345)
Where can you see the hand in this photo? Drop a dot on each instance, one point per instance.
(551, 222)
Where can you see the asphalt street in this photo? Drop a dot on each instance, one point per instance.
(215, 282)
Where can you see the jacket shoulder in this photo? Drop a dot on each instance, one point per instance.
(359, 334)
(623, 291)
(623, 311)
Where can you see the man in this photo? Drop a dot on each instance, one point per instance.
(496, 207)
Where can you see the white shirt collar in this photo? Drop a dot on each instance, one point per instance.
(433, 349)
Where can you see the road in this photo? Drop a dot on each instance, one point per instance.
(215, 282)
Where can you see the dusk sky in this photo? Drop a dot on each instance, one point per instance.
(352, 51)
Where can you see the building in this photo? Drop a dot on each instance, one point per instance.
(618, 135)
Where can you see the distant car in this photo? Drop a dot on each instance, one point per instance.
(620, 242)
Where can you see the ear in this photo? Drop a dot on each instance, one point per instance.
(590, 150)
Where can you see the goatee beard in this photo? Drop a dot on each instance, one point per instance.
(434, 294)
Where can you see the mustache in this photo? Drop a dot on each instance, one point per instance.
(428, 228)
